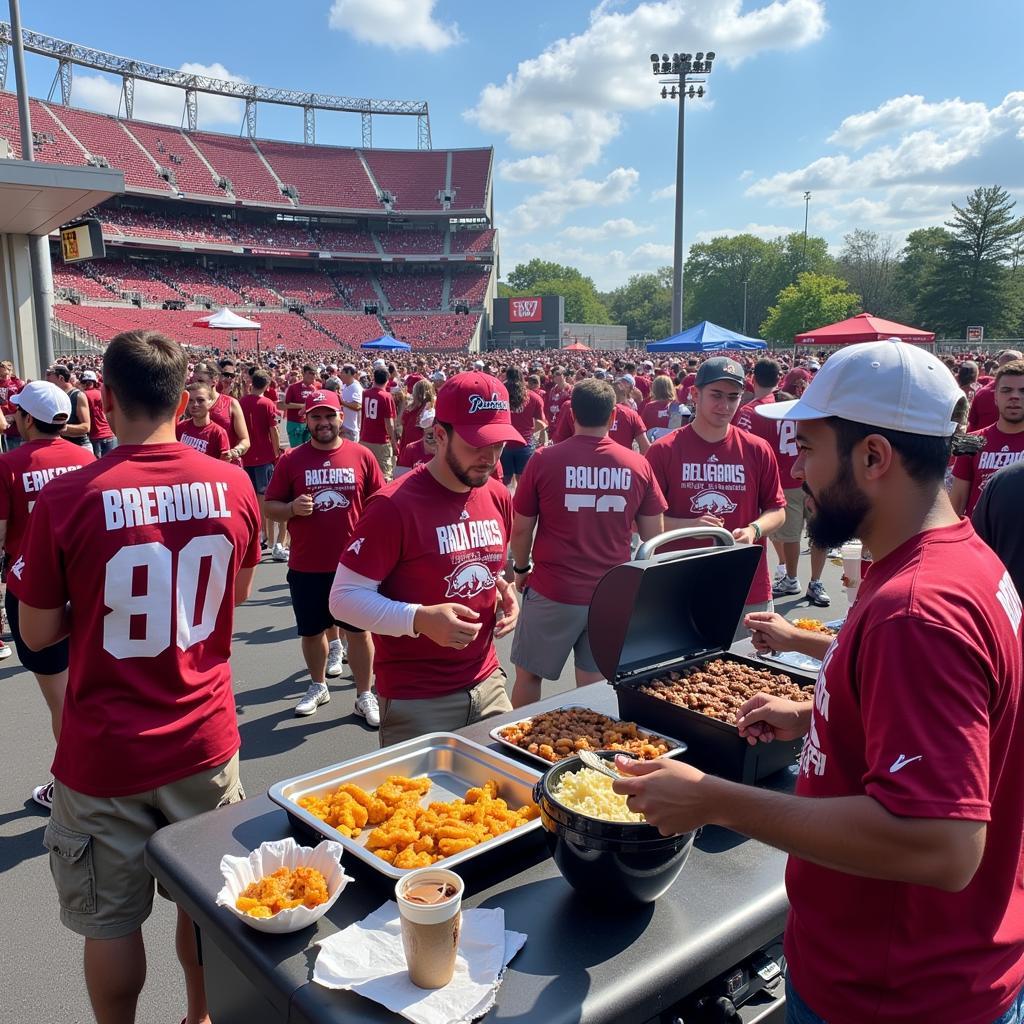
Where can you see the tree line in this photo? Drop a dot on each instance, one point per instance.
(944, 279)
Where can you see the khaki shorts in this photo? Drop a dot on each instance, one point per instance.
(792, 529)
(384, 456)
(96, 847)
(405, 719)
(546, 633)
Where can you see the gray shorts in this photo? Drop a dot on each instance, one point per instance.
(796, 512)
(545, 634)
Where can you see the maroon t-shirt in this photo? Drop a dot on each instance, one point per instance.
(918, 705)
(429, 545)
(210, 440)
(626, 426)
(8, 388)
(260, 415)
(24, 472)
(100, 428)
(523, 419)
(554, 399)
(340, 481)
(656, 414)
(378, 406)
(411, 429)
(586, 494)
(983, 411)
(735, 478)
(298, 392)
(1000, 450)
(779, 434)
(145, 543)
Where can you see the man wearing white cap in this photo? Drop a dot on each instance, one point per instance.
(905, 832)
(41, 411)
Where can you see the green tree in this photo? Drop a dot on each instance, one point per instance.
(973, 283)
(644, 304)
(869, 262)
(919, 262)
(814, 301)
(541, 277)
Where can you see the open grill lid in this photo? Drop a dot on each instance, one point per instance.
(661, 609)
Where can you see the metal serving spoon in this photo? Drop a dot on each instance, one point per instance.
(599, 764)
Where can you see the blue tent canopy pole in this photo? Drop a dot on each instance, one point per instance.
(707, 337)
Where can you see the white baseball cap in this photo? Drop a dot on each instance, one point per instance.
(43, 401)
(379, 364)
(889, 384)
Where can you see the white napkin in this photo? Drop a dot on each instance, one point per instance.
(368, 958)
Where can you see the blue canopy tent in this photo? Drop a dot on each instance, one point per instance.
(386, 343)
(706, 337)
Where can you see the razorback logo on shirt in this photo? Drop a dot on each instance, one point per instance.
(469, 579)
(327, 501)
(711, 501)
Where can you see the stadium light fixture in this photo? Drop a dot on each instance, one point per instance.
(681, 87)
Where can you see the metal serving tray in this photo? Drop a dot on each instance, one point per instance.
(676, 747)
(452, 763)
(801, 662)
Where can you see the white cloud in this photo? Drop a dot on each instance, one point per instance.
(608, 269)
(765, 231)
(397, 24)
(620, 227)
(668, 192)
(569, 100)
(550, 206)
(904, 113)
(161, 103)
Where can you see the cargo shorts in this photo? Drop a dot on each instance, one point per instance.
(547, 633)
(796, 513)
(97, 845)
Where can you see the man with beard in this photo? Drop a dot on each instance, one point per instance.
(319, 489)
(423, 571)
(1004, 441)
(905, 831)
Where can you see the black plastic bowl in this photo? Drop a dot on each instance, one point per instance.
(609, 860)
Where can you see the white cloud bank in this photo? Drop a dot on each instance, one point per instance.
(395, 24)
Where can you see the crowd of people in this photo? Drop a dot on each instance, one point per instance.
(428, 505)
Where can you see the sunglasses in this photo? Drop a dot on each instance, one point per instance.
(229, 376)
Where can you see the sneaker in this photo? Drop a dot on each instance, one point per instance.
(5, 650)
(367, 707)
(780, 573)
(785, 586)
(335, 659)
(43, 795)
(279, 553)
(316, 695)
(817, 595)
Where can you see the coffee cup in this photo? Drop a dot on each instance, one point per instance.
(430, 907)
(851, 552)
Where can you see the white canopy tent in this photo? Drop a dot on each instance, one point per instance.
(227, 320)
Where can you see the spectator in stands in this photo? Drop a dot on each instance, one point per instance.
(101, 437)
(80, 422)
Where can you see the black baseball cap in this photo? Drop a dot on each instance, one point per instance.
(719, 368)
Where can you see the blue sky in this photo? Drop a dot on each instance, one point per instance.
(886, 110)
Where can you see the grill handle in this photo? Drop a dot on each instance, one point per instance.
(722, 539)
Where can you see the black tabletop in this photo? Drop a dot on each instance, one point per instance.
(581, 962)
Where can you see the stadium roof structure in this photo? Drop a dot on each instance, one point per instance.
(69, 54)
(37, 198)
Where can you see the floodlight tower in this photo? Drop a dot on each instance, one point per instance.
(682, 84)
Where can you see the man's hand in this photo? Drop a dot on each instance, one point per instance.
(522, 580)
(509, 616)
(771, 632)
(672, 795)
(744, 535)
(448, 625)
(763, 719)
(302, 505)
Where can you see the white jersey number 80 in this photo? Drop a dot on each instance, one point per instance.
(167, 613)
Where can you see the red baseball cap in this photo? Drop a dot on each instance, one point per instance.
(476, 405)
(323, 400)
(795, 376)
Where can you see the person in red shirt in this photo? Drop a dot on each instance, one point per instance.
(1004, 441)
(781, 436)
(557, 395)
(574, 510)
(420, 451)
(909, 804)
(627, 426)
(423, 571)
(377, 428)
(9, 385)
(983, 412)
(224, 408)
(683, 392)
(138, 559)
(420, 402)
(712, 473)
(101, 437)
(199, 431)
(320, 489)
(264, 441)
(41, 411)
(295, 406)
(527, 410)
(661, 414)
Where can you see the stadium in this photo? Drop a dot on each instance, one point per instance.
(331, 246)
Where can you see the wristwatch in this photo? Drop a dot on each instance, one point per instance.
(756, 527)
(524, 570)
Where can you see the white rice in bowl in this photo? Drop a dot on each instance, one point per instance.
(589, 792)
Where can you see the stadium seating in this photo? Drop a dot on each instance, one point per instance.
(413, 291)
(470, 171)
(356, 288)
(71, 277)
(347, 328)
(169, 148)
(310, 286)
(125, 277)
(238, 161)
(429, 242)
(343, 240)
(414, 178)
(51, 144)
(473, 241)
(444, 331)
(191, 281)
(469, 286)
(322, 175)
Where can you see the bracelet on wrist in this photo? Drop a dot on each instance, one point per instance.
(521, 571)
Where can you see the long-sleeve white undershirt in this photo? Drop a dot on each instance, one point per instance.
(356, 600)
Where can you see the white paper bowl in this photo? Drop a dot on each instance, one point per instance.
(240, 872)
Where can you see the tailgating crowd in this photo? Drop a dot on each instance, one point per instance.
(426, 505)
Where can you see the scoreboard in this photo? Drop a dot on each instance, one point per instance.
(82, 240)
(528, 317)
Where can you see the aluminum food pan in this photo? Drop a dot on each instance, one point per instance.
(801, 662)
(676, 747)
(452, 763)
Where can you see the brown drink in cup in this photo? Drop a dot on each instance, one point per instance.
(430, 905)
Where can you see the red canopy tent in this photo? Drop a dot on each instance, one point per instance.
(577, 346)
(863, 327)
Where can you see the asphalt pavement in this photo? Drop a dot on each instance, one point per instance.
(39, 958)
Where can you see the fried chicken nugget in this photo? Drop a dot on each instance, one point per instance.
(449, 847)
(410, 858)
(376, 809)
